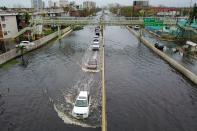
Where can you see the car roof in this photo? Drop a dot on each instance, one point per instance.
(83, 94)
(92, 60)
(24, 41)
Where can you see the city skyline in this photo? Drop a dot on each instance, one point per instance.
(175, 3)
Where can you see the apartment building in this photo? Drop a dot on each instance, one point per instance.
(8, 25)
(89, 4)
(36, 4)
(63, 3)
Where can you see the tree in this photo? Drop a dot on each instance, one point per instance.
(3, 8)
(26, 17)
(193, 14)
(66, 9)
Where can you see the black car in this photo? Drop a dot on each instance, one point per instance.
(159, 46)
(97, 33)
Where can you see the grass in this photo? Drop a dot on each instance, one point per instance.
(48, 32)
(9, 64)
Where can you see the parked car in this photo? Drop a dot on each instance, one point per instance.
(26, 44)
(91, 64)
(136, 27)
(81, 105)
(159, 46)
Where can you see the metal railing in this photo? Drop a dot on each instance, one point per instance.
(22, 31)
(110, 21)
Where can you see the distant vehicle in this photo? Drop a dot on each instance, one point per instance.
(95, 46)
(136, 27)
(96, 37)
(26, 44)
(97, 33)
(97, 28)
(81, 105)
(96, 41)
(91, 64)
(159, 46)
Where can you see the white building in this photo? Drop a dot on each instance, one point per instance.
(63, 3)
(89, 4)
(8, 25)
(43, 4)
(36, 4)
(50, 2)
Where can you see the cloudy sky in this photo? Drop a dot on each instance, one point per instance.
(177, 3)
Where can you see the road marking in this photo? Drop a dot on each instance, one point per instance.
(104, 117)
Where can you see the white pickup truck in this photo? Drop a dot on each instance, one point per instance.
(26, 44)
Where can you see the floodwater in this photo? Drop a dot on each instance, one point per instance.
(187, 61)
(40, 96)
(144, 93)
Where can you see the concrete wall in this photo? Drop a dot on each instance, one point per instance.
(38, 43)
(190, 75)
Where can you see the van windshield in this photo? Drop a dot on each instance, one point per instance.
(81, 103)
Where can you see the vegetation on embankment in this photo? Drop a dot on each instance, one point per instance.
(75, 28)
(10, 63)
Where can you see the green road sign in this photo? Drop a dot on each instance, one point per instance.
(152, 22)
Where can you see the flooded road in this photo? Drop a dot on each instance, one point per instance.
(185, 60)
(40, 96)
(143, 92)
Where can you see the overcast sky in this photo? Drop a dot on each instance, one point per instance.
(177, 3)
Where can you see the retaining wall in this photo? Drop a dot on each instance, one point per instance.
(190, 75)
(5, 57)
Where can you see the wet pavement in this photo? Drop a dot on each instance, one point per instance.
(144, 93)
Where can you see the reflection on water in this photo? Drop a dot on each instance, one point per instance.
(48, 84)
(143, 92)
(186, 60)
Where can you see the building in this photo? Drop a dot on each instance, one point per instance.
(140, 4)
(166, 11)
(8, 25)
(43, 4)
(63, 3)
(36, 4)
(50, 2)
(89, 4)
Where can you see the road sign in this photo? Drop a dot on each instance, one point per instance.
(152, 22)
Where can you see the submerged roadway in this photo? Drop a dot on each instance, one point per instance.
(143, 92)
